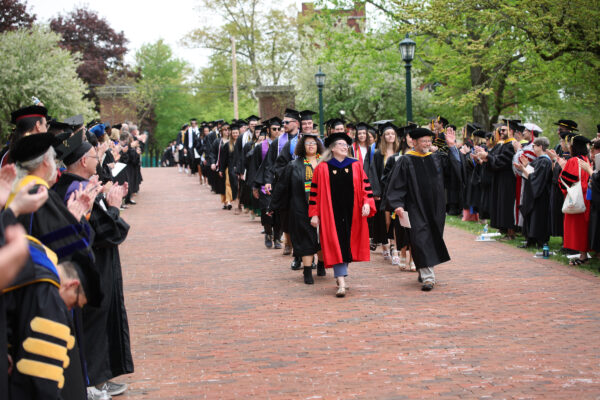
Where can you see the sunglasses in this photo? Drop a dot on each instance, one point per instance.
(286, 122)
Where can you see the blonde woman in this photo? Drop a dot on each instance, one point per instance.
(388, 146)
(226, 163)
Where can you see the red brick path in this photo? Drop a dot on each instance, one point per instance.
(215, 315)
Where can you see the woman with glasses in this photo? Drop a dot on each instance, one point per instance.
(292, 194)
(340, 202)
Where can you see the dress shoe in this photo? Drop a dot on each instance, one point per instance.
(308, 279)
(321, 269)
(427, 286)
(296, 264)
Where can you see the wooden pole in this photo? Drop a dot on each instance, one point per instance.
(234, 76)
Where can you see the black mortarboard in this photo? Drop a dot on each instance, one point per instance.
(421, 132)
(580, 139)
(292, 114)
(59, 126)
(306, 115)
(336, 121)
(235, 126)
(472, 127)
(479, 133)
(184, 126)
(337, 136)
(252, 118)
(383, 121)
(77, 120)
(117, 126)
(565, 135)
(442, 120)
(362, 126)
(74, 148)
(451, 126)
(350, 125)
(58, 140)
(512, 124)
(275, 121)
(28, 112)
(92, 123)
(567, 123)
(31, 146)
(598, 128)
(388, 125)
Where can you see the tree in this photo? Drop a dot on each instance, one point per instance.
(266, 41)
(102, 49)
(14, 15)
(161, 93)
(33, 64)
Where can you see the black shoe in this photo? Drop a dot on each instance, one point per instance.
(427, 287)
(321, 269)
(229, 207)
(130, 202)
(419, 278)
(314, 266)
(277, 244)
(225, 207)
(296, 264)
(268, 241)
(308, 279)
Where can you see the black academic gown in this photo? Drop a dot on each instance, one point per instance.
(535, 205)
(402, 234)
(594, 224)
(290, 195)
(38, 321)
(106, 343)
(250, 170)
(417, 184)
(219, 181)
(503, 187)
(473, 184)
(380, 231)
(486, 179)
(226, 166)
(556, 202)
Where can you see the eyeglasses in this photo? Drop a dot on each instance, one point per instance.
(286, 122)
(342, 144)
(276, 129)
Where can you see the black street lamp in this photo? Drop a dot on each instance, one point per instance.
(320, 80)
(407, 50)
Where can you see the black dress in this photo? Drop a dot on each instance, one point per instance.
(535, 205)
(503, 187)
(227, 166)
(342, 200)
(290, 194)
(381, 232)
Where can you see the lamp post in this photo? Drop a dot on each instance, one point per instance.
(320, 80)
(407, 50)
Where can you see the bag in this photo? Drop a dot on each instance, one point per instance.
(574, 203)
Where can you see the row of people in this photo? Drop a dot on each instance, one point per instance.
(279, 166)
(62, 311)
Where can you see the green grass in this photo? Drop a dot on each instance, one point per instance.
(555, 243)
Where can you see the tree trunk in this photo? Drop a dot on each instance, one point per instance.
(480, 110)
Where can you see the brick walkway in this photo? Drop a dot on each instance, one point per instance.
(214, 314)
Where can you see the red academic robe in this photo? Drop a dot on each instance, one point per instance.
(320, 205)
(576, 225)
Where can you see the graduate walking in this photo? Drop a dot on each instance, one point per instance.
(417, 186)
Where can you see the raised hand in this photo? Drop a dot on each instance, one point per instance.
(13, 254)
(25, 202)
(8, 173)
(585, 166)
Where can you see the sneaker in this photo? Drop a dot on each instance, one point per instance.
(341, 292)
(268, 241)
(386, 255)
(396, 260)
(112, 388)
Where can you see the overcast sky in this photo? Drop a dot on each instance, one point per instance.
(142, 21)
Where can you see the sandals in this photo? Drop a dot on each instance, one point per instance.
(412, 266)
(578, 261)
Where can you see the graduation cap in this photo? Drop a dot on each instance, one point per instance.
(77, 120)
(452, 126)
(407, 129)
(118, 126)
(275, 121)
(335, 122)
(334, 137)
(580, 139)
(184, 127)
(421, 132)
(193, 120)
(92, 123)
(386, 126)
(350, 125)
(362, 126)
(252, 118)
(566, 135)
(58, 126)
(28, 112)
(513, 124)
(480, 133)
(31, 146)
(292, 114)
(567, 123)
(442, 120)
(235, 126)
(472, 127)
(306, 115)
(72, 149)
(381, 122)
(98, 130)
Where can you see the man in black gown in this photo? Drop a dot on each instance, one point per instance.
(417, 186)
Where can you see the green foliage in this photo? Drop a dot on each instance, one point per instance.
(33, 64)
(161, 91)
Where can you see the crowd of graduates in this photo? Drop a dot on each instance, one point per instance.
(508, 178)
(63, 320)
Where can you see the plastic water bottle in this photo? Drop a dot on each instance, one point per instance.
(105, 396)
(546, 251)
(484, 233)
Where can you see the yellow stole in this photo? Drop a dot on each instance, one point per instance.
(24, 182)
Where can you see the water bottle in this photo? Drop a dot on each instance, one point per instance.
(484, 233)
(105, 396)
(546, 251)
